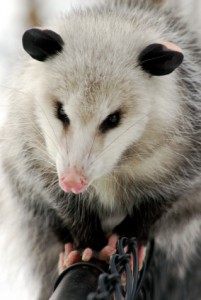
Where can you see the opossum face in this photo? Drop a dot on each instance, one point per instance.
(94, 123)
(106, 108)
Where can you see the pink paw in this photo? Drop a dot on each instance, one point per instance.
(71, 256)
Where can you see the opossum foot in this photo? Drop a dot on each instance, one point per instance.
(71, 256)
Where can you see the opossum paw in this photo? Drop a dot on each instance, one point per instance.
(71, 256)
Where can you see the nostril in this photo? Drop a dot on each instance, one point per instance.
(83, 180)
(65, 185)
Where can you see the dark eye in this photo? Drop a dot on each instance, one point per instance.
(61, 115)
(110, 122)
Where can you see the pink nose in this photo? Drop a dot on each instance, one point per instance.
(73, 182)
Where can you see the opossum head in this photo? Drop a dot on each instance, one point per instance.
(105, 101)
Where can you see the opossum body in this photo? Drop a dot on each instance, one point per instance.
(103, 136)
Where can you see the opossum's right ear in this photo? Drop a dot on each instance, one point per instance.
(160, 58)
(42, 44)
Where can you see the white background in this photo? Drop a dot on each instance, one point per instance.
(14, 20)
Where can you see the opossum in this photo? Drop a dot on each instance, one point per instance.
(103, 137)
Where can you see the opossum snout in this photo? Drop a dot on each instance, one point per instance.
(73, 181)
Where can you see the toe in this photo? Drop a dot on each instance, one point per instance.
(72, 258)
(87, 254)
(61, 266)
(106, 252)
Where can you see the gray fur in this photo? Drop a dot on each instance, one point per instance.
(162, 202)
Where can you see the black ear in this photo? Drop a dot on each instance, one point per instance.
(42, 44)
(159, 59)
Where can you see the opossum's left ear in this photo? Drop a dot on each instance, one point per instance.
(42, 44)
(161, 58)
